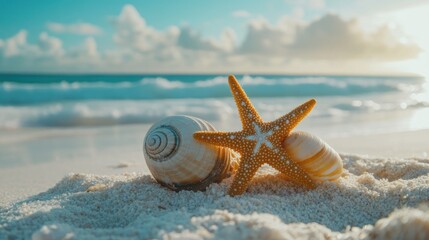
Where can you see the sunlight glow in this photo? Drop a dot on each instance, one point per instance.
(419, 120)
(412, 22)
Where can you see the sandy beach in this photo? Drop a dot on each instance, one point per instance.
(112, 151)
(323, 104)
(105, 190)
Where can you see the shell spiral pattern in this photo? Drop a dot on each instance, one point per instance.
(316, 157)
(162, 143)
(179, 162)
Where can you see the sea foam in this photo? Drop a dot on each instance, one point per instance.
(69, 103)
(12, 93)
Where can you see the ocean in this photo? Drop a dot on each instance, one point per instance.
(346, 104)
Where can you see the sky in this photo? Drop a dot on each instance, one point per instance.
(193, 36)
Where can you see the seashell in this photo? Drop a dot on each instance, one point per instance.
(316, 157)
(179, 162)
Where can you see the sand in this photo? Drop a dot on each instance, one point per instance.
(376, 198)
(114, 196)
(34, 160)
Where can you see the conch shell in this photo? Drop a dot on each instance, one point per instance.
(179, 162)
(315, 157)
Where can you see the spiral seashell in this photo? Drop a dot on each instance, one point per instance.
(179, 162)
(316, 157)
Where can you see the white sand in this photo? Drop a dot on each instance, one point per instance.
(361, 205)
(50, 154)
(377, 198)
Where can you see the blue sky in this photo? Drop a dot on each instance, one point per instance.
(209, 17)
(203, 36)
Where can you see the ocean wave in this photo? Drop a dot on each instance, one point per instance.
(104, 113)
(12, 93)
(373, 106)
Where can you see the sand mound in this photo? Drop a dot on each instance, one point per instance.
(362, 204)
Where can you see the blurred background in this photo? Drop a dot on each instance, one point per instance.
(364, 37)
(81, 81)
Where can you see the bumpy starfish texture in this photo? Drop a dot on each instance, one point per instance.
(259, 142)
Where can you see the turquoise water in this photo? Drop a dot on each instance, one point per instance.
(36, 89)
(100, 100)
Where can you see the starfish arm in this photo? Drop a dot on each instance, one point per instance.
(289, 121)
(247, 111)
(292, 171)
(223, 139)
(259, 142)
(244, 175)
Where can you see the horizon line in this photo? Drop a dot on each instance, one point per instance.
(214, 73)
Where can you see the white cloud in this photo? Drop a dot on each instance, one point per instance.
(316, 4)
(16, 54)
(190, 39)
(329, 43)
(50, 45)
(86, 52)
(241, 14)
(15, 45)
(86, 55)
(265, 39)
(228, 40)
(133, 32)
(174, 48)
(329, 37)
(91, 48)
(75, 28)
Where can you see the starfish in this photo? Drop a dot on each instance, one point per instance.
(259, 142)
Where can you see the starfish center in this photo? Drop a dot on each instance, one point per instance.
(260, 138)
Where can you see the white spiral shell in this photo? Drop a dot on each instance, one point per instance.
(179, 162)
(316, 157)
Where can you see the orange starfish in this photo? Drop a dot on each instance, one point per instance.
(259, 142)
